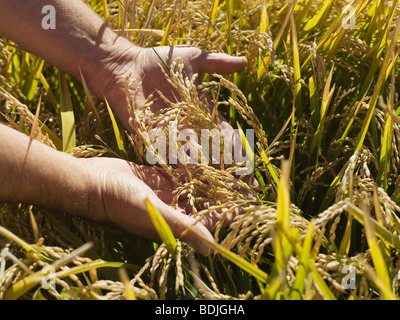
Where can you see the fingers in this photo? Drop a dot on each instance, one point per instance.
(206, 61)
(195, 234)
(221, 63)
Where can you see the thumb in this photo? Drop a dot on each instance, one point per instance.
(222, 63)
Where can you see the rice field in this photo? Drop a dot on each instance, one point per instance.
(320, 93)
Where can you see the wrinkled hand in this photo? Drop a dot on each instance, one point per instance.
(118, 190)
(143, 65)
(195, 61)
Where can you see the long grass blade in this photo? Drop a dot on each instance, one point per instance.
(315, 20)
(50, 95)
(90, 100)
(297, 290)
(321, 284)
(214, 11)
(296, 66)
(346, 240)
(105, 10)
(316, 142)
(129, 293)
(384, 234)
(251, 159)
(11, 236)
(282, 247)
(171, 21)
(162, 227)
(386, 148)
(117, 134)
(35, 79)
(67, 116)
(264, 21)
(376, 254)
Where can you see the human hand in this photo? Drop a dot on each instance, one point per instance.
(144, 67)
(118, 190)
(106, 190)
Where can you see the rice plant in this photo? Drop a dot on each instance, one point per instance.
(320, 93)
